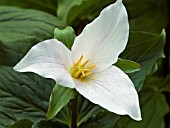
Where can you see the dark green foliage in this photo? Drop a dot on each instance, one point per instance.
(24, 123)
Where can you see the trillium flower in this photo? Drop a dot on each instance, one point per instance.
(88, 66)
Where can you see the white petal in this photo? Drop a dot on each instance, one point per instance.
(50, 59)
(113, 90)
(105, 38)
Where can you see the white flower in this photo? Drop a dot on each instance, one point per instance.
(88, 66)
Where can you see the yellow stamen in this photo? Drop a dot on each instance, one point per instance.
(83, 73)
(73, 68)
(87, 74)
(79, 70)
(78, 62)
(82, 66)
(85, 70)
(78, 73)
(91, 66)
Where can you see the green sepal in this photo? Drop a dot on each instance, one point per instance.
(58, 99)
(127, 66)
(66, 36)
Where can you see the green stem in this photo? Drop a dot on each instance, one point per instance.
(74, 112)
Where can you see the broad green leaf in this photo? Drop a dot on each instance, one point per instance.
(165, 84)
(11, 52)
(102, 120)
(24, 123)
(65, 8)
(117, 126)
(20, 29)
(162, 83)
(22, 96)
(153, 107)
(145, 49)
(68, 11)
(93, 9)
(47, 5)
(59, 98)
(139, 11)
(127, 66)
(66, 36)
(65, 115)
(144, 15)
(16, 23)
(49, 124)
(147, 15)
(26, 96)
(39, 26)
(85, 110)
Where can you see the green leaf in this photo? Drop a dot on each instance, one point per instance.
(117, 126)
(165, 84)
(162, 83)
(47, 5)
(153, 107)
(65, 8)
(20, 29)
(102, 120)
(49, 124)
(14, 46)
(65, 115)
(66, 36)
(147, 15)
(92, 9)
(59, 98)
(24, 123)
(68, 11)
(11, 52)
(127, 66)
(145, 49)
(143, 14)
(16, 23)
(22, 96)
(26, 95)
(85, 110)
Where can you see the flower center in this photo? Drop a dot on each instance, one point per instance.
(80, 70)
